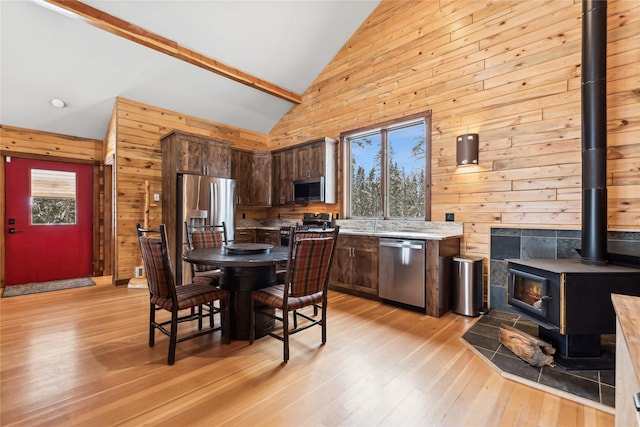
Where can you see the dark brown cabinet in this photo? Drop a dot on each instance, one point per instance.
(282, 166)
(315, 158)
(310, 159)
(245, 236)
(188, 153)
(355, 265)
(252, 172)
(271, 237)
(355, 269)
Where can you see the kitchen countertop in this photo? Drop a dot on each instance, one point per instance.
(426, 230)
(258, 227)
(416, 235)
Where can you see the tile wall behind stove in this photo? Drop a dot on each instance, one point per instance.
(527, 243)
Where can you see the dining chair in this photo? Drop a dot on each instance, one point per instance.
(302, 233)
(165, 295)
(206, 236)
(306, 284)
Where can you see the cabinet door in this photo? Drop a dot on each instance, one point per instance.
(365, 264)
(261, 179)
(282, 164)
(341, 267)
(310, 160)
(271, 237)
(191, 156)
(241, 172)
(302, 162)
(244, 236)
(203, 157)
(317, 159)
(217, 159)
(355, 264)
(277, 160)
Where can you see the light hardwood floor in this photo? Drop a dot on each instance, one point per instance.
(80, 357)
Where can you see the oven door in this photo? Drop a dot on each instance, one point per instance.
(529, 292)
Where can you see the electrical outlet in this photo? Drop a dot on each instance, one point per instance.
(156, 197)
(449, 217)
(138, 272)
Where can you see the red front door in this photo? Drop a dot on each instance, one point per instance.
(48, 230)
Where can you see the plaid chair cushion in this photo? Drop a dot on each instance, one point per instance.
(191, 296)
(206, 239)
(211, 279)
(274, 297)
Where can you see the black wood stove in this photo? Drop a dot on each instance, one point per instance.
(570, 300)
(571, 303)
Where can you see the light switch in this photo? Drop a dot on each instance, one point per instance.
(156, 197)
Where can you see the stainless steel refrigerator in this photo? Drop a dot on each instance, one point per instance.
(202, 200)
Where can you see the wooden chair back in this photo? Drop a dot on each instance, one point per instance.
(310, 258)
(157, 263)
(205, 236)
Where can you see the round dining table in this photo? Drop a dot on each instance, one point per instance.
(245, 267)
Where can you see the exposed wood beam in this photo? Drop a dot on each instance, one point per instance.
(104, 21)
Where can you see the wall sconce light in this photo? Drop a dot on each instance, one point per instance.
(467, 149)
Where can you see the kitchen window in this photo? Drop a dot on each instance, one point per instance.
(387, 169)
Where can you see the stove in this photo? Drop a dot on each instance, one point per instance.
(570, 300)
(310, 220)
(571, 303)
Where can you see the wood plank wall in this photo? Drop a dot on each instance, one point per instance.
(508, 70)
(26, 143)
(138, 129)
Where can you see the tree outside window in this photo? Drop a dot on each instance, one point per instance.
(53, 197)
(387, 174)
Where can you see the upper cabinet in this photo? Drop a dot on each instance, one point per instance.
(252, 172)
(315, 158)
(183, 152)
(282, 166)
(187, 153)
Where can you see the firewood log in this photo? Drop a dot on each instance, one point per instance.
(531, 349)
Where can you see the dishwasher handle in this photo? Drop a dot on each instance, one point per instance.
(401, 244)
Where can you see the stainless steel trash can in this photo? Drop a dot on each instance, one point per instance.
(467, 286)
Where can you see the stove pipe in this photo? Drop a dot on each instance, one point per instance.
(594, 132)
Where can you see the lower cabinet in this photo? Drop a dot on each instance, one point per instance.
(355, 269)
(355, 265)
(271, 237)
(245, 236)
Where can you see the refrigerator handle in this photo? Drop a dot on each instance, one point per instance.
(213, 196)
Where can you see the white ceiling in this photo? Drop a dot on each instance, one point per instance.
(46, 55)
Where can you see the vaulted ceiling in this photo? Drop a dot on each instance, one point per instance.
(47, 54)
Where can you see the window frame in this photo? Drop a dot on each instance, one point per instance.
(383, 128)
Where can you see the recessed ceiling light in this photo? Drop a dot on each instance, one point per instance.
(58, 103)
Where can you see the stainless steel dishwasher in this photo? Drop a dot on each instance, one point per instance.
(401, 271)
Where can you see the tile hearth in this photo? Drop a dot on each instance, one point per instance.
(595, 388)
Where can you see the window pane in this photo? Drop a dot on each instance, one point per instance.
(53, 197)
(406, 171)
(365, 176)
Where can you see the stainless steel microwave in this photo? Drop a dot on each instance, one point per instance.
(309, 189)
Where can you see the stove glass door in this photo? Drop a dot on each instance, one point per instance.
(529, 292)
